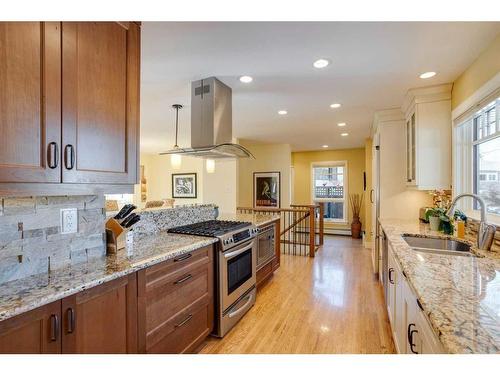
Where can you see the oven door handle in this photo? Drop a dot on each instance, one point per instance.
(242, 308)
(232, 254)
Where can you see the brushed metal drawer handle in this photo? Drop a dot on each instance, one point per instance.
(183, 257)
(187, 319)
(182, 279)
(54, 327)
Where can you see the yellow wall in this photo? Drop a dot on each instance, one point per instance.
(218, 188)
(302, 161)
(368, 170)
(485, 67)
(268, 158)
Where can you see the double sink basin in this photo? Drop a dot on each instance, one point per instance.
(438, 245)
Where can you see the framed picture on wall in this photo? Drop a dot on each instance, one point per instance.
(184, 185)
(266, 189)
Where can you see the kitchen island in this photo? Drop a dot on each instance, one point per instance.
(459, 295)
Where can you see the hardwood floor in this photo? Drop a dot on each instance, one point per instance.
(327, 304)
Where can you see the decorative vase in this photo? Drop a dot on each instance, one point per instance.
(356, 227)
(434, 222)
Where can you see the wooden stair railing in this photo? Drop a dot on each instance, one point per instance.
(319, 211)
(298, 235)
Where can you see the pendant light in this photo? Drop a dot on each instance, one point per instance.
(210, 165)
(176, 159)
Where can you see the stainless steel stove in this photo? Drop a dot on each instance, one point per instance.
(236, 262)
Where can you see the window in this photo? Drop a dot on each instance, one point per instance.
(328, 187)
(477, 156)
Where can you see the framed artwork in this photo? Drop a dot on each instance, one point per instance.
(266, 189)
(184, 185)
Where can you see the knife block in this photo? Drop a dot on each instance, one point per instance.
(116, 236)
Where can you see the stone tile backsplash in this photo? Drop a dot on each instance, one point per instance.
(471, 229)
(30, 237)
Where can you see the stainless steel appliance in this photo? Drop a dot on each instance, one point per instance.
(235, 266)
(266, 246)
(211, 122)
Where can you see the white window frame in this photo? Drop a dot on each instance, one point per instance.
(345, 200)
(463, 148)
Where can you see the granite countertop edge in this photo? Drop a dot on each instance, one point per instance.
(45, 294)
(451, 342)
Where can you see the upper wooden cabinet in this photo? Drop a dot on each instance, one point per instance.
(100, 113)
(30, 101)
(85, 73)
(428, 137)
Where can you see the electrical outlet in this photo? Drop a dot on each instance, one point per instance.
(69, 220)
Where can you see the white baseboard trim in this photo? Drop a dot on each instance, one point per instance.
(342, 232)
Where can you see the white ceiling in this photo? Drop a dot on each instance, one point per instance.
(372, 66)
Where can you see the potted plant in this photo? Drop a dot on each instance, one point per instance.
(433, 216)
(356, 201)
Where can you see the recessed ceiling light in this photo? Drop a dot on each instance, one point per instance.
(335, 105)
(282, 112)
(344, 134)
(325, 146)
(427, 75)
(321, 63)
(246, 79)
(341, 124)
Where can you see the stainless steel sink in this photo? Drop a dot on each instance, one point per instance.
(438, 245)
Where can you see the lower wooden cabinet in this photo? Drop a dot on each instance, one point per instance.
(35, 332)
(102, 319)
(175, 303)
(166, 308)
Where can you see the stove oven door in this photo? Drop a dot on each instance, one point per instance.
(237, 272)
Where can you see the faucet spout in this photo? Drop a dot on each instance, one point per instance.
(486, 232)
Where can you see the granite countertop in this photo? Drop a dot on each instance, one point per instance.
(459, 294)
(19, 296)
(256, 219)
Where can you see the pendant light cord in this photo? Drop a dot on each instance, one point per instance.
(177, 107)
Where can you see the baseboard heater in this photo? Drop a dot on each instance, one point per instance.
(342, 232)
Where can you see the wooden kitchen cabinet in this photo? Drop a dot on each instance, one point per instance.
(100, 112)
(102, 319)
(175, 303)
(30, 101)
(70, 102)
(34, 332)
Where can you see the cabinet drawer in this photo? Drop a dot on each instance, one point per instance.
(184, 332)
(175, 293)
(156, 274)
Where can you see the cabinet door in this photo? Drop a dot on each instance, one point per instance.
(391, 289)
(30, 101)
(100, 70)
(34, 332)
(102, 319)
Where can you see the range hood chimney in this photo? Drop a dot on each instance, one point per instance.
(211, 122)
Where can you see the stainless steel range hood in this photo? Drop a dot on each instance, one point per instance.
(211, 123)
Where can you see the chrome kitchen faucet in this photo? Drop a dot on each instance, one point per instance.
(486, 232)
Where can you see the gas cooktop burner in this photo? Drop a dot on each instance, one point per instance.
(210, 228)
